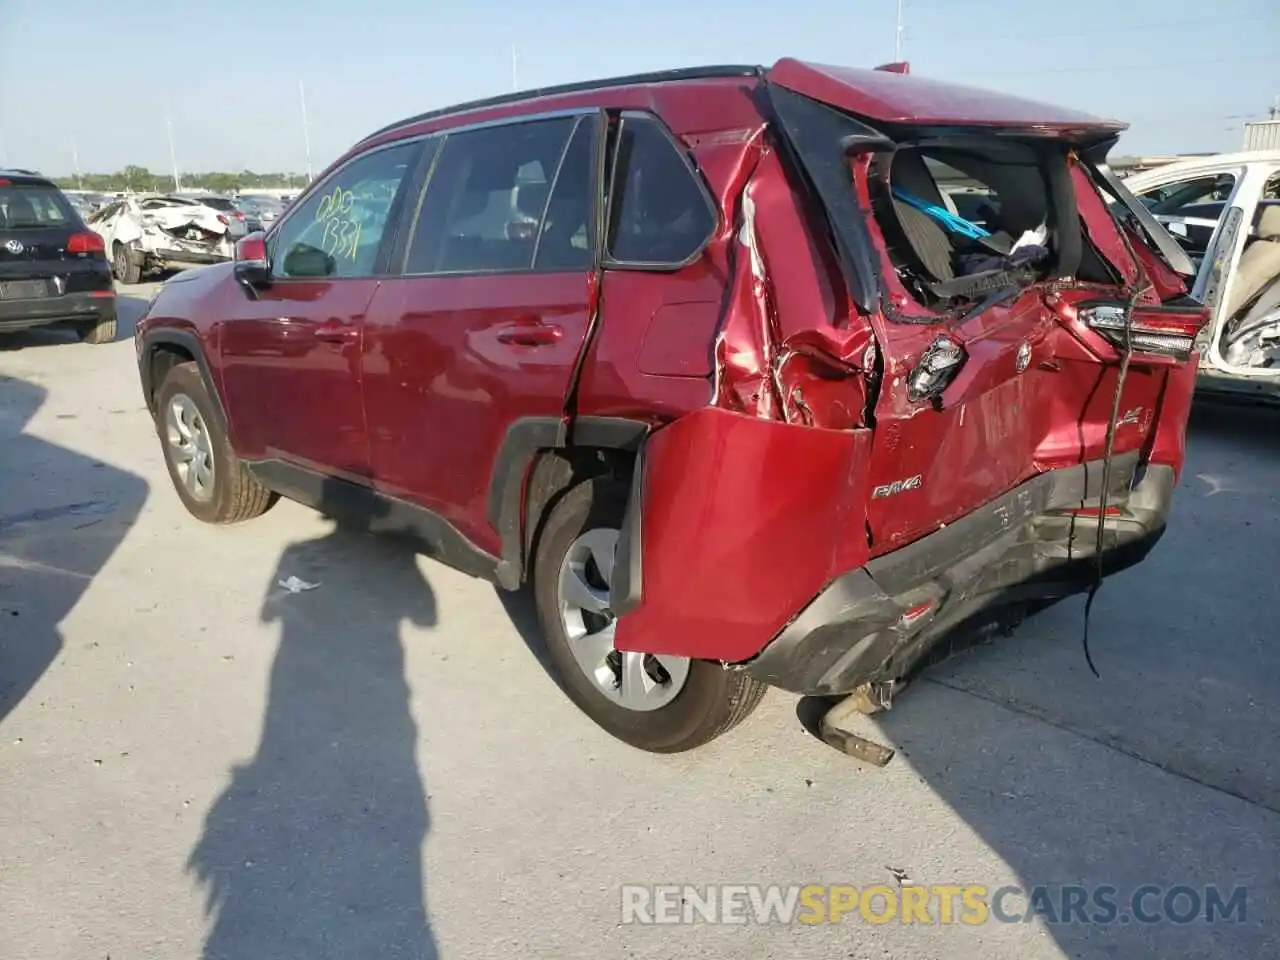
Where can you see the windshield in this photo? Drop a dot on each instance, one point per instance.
(32, 206)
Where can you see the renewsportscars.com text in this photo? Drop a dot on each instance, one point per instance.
(939, 904)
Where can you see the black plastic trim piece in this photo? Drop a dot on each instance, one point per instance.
(613, 433)
(524, 440)
(628, 564)
(370, 510)
(505, 508)
(521, 96)
(191, 344)
(815, 137)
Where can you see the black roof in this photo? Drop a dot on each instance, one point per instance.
(632, 80)
(24, 176)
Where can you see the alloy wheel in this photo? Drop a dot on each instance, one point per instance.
(190, 447)
(634, 681)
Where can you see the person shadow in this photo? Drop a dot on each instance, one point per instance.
(315, 849)
(62, 516)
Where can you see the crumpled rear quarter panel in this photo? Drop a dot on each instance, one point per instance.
(743, 521)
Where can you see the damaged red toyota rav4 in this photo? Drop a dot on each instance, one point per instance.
(752, 376)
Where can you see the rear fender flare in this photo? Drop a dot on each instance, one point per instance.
(189, 342)
(522, 472)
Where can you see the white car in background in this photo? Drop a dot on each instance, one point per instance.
(1225, 212)
(146, 232)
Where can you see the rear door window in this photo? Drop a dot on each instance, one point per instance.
(661, 214)
(486, 203)
(32, 206)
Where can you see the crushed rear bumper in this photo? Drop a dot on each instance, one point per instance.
(874, 623)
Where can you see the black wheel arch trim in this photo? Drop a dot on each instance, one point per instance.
(189, 342)
(628, 574)
(525, 439)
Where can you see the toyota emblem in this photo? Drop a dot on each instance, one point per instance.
(14, 246)
(1024, 356)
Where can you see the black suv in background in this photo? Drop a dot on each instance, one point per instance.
(53, 269)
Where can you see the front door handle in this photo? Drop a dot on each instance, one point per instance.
(334, 331)
(531, 333)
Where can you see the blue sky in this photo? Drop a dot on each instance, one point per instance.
(98, 78)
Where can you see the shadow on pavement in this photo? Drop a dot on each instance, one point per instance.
(1163, 772)
(62, 515)
(315, 849)
(519, 606)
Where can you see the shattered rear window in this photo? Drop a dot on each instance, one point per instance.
(961, 221)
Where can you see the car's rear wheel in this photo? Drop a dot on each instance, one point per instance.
(212, 482)
(99, 331)
(660, 703)
(123, 265)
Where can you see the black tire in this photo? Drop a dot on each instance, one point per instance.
(99, 331)
(236, 495)
(713, 700)
(124, 266)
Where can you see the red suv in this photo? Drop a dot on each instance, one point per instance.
(753, 376)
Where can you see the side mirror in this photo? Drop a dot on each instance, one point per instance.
(304, 260)
(251, 266)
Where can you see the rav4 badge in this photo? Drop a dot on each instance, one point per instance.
(898, 486)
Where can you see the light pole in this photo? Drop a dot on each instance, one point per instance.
(173, 154)
(306, 127)
(897, 36)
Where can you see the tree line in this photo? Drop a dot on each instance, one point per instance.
(141, 180)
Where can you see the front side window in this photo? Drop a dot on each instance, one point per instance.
(660, 214)
(337, 231)
(488, 205)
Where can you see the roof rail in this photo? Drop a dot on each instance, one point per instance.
(635, 79)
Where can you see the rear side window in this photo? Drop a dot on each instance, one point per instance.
(337, 232)
(32, 206)
(489, 204)
(660, 213)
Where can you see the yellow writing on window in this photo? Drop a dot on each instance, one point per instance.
(341, 238)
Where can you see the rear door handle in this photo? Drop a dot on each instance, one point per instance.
(531, 333)
(333, 331)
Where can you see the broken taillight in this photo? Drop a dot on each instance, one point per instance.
(938, 366)
(1166, 331)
